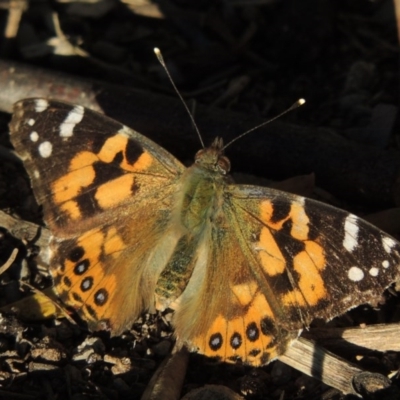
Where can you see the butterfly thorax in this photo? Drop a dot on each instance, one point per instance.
(203, 186)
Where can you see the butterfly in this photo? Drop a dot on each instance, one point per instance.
(245, 268)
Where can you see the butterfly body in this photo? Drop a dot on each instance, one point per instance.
(244, 267)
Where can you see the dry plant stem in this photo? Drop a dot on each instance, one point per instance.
(144, 8)
(16, 9)
(312, 360)
(62, 46)
(380, 337)
(25, 231)
(10, 260)
(289, 150)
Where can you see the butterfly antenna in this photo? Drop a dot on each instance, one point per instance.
(162, 62)
(297, 104)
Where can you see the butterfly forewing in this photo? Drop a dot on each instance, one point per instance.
(320, 260)
(85, 166)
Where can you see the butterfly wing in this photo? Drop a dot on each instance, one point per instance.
(278, 261)
(107, 196)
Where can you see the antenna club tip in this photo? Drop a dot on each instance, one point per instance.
(300, 102)
(157, 51)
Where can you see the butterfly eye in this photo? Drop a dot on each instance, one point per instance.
(224, 165)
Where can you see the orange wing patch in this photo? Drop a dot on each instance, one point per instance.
(112, 193)
(311, 287)
(297, 215)
(270, 255)
(119, 144)
(81, 174)
(308, 288)
(87, 174)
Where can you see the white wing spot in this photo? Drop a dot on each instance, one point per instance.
(34, 136)
(81, 268)
(45, 149)
(36, 174)
(351, 228)
(301, 200)
(385, 264)
(215, 342)
(355, 274)
(125, 131)
(74, 117)
(86, 284)
(41, 105)
(235, 342)
(31, 122)
(374, 271)
(100, 297)
(388, 243)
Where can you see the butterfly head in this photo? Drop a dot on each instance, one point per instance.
(212, 158)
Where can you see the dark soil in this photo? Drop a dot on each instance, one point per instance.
(245, 61)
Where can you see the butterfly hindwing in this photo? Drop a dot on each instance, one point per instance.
(238, 316)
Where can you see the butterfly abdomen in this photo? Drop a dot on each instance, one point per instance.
(173, 279)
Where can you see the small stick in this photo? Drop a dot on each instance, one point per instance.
(10, 260)
(15, 11)
(315, 361)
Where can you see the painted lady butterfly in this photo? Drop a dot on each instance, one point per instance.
(244, 267)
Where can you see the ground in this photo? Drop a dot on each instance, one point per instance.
(237, 64)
